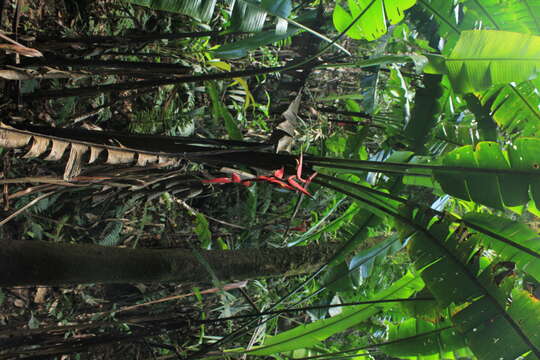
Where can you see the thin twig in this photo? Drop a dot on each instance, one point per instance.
(26, 207)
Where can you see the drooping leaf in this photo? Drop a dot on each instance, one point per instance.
(478, 60)
(310, 334)
(247, 15)
(12, 138)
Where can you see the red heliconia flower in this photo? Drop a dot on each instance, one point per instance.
(311, 178)
(297, 186)
(279, 173)
(236, 178)
(299, 168)
(221, 180)
(273, 180)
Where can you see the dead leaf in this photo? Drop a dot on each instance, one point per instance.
(21, 50)
(74, 163)
(41, 293)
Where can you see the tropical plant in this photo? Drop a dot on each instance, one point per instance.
(465, 286)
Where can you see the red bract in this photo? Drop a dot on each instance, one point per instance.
(235, 178)
(279, 173)
(299, 168)
(297, 186)
(221, 180)
(276, 178)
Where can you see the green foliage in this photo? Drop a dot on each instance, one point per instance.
(203, 231)
(478, 60)
(517, 232)
(374, 17)
(419, 339)
(308, 335)
(491, 187)
(247, 16)
(481, 149)
(220, 111)
(454, 276)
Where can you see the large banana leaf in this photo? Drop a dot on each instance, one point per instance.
(453, 17)
(516, 108)
(517, 16)
(304, 336)
(453, 275)
(445, 343)
(491, 188)
(247, 15)
(478, 60)
(198, 9)
(494, 334)
(515, 231)
(241, 47)
(376, 14)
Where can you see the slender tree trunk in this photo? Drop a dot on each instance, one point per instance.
(128, 38)
(140, 66)
(132, 85)
(48, 263)
(331, 110)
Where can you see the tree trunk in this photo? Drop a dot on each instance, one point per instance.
(47, 263)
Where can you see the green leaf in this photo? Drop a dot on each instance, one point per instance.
(310, 334)
(515, 108)
(516, 232)
(517, 16)
(240, 48)
(494, 188)
(362, 264)
(281, 8)
(247, 15)
(199, 9)
(203, 231)
(478, 60)
(376, 14)
(417, 345)
(492, 334)
(219, 110)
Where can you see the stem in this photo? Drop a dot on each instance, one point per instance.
(332, 110)
(128, 38)
(47, 263)
(109, 64)
(99, 89)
